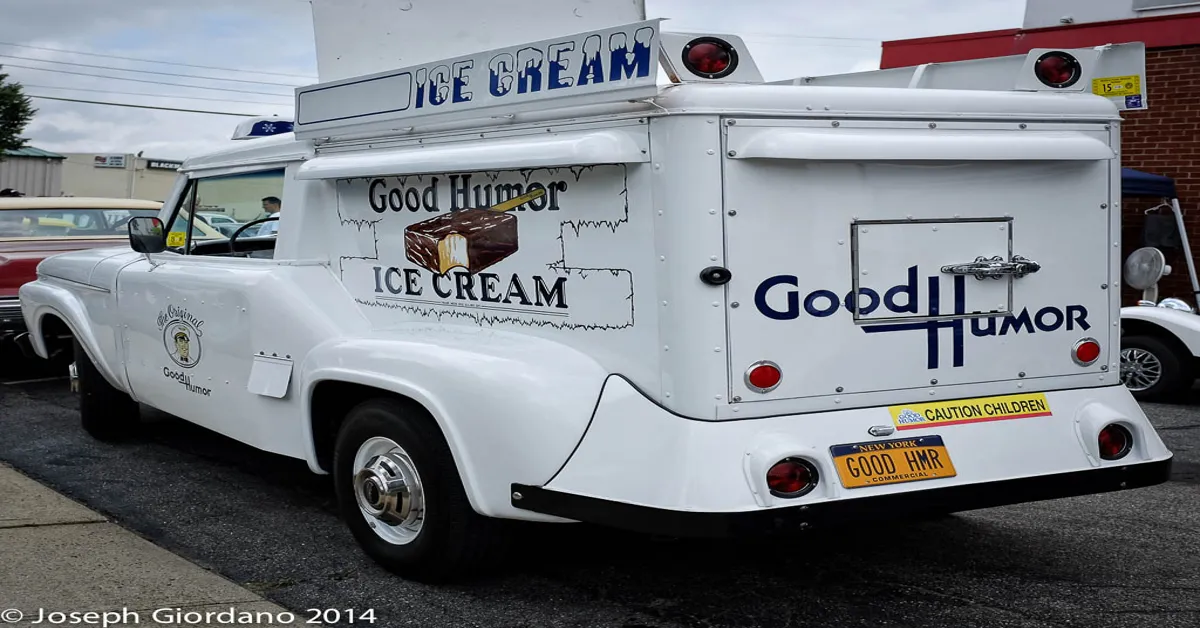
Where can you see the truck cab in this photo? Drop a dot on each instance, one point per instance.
(534, 284)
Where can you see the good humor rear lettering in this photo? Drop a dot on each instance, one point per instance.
(905, 299)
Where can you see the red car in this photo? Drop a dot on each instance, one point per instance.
(34, 228)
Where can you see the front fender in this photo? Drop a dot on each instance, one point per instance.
(512, 407)
(40, 299)
(1183, 325)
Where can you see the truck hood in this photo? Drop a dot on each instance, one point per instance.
(79, 266)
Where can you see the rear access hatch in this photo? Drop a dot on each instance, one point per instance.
(978, 252)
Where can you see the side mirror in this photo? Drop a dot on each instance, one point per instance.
(146, 235)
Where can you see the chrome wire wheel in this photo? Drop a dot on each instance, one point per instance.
(1140, 369)
(388, 490)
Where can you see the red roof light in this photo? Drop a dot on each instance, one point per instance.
(710, 57)
(1057, 69)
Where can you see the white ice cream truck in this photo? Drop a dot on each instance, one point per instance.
(533, 283)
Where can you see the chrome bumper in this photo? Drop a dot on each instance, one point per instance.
(10, 310)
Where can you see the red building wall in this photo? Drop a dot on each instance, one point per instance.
(1165, 139)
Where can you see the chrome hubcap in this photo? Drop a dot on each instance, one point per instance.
(1140, 369)
(388, 490)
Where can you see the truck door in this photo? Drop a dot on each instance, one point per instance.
(974, 249)
(191, 316)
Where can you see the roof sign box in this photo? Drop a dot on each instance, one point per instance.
(265, 126)
(359, 37)
(611, 64)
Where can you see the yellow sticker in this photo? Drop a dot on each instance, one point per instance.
(176, 238)
(1117, 86)
(923, 415)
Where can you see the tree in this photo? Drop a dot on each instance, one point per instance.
(16, 111)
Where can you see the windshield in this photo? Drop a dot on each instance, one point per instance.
(67, 223)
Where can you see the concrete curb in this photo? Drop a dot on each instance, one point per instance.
(57, 556)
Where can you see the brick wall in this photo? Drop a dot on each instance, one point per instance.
(1165, 139)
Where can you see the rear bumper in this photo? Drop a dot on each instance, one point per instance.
(787, 519)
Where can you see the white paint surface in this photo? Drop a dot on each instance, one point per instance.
(1046, 13)
(357, 37)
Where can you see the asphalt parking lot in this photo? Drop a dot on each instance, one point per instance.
(1121, 560)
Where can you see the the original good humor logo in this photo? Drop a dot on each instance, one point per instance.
(181, 336)
(904, 299)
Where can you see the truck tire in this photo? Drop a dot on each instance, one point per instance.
(400, 494)
(107, 414)
(1153, 370)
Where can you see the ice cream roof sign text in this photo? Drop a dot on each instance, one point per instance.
(618, 63)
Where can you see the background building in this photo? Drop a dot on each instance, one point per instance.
(33, 171)
(118, 176)
(1164, 139)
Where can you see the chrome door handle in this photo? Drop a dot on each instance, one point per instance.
(994, 267)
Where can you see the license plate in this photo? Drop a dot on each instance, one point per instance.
(881, 462)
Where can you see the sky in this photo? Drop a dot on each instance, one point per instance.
(257, 51)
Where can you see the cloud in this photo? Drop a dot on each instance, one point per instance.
(788, 38)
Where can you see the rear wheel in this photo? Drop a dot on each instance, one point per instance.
(1153, 370)
(400, 494)
(106, 413)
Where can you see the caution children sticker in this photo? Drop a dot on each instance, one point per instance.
(917, 416)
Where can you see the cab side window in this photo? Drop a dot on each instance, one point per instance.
(216, 208)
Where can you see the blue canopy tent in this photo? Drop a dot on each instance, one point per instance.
(1138, 183)
(1144, 184)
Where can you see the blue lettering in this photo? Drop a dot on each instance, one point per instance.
(500, 70)
(1047, 319)
(810, 303)
(558, 65)
(793, 298)
(529, 76)
(623, 61)
(871, 295)
(421, 76)
(1018, 322)
(439, 85)
(980, 332)
(461, 80)
(910, 289)
(592, 70)
(1055, 313)
(1077, 314)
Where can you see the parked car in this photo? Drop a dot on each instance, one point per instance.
(221, 222)
(34, 228)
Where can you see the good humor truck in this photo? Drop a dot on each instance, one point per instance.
(532, 283)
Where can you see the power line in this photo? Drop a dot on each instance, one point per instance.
(118, 104)
(186, 65)
(105, 91)
(106, 67)
(122, 78)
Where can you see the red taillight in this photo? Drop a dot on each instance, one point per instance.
(1086, 352)
(1115, 442)
(709, 57)
(1057, 69)
(763, 377)
(791, 477)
